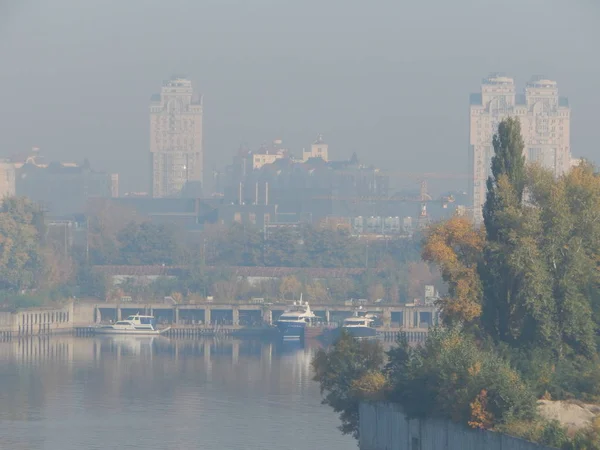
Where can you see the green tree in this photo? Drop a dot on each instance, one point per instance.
(517, 294)
(21, 249)
(450, 376)
(508, 161)
(149, 243)
(105, 221)
(331, 248)
(283, 249)
(347, 373)
(240, 245)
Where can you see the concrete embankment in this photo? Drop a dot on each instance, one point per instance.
(385, 426)
(36, 321)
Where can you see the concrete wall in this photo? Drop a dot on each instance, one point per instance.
(36, 321)
(386, 427)
(84, 314)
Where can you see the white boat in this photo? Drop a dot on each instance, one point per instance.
(360, 325)
(293, 321)
(136, 324)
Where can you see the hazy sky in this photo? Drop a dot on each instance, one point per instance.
(387, 79)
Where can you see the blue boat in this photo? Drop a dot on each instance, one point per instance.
(292, 323)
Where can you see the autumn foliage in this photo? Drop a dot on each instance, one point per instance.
(480, 417)
(455, 246)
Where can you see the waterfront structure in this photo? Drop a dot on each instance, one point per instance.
(176, 142)
(36, 321)
(545, 126)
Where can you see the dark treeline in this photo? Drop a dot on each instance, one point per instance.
(116, 236)
(393, 272)
(37, 264)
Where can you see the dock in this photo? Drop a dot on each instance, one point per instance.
(317, 332)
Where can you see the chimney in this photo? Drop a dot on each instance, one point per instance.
(240, 199)
(266, 193)
(256, 195)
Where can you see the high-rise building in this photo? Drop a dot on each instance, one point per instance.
(545, 126)
(7, 179)
(176, 146)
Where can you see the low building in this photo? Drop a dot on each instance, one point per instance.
(190, 214)
(319, 149)
(269, 154)
(62, 189)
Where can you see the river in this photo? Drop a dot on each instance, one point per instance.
(68, 393)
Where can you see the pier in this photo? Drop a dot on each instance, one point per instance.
(210, 319)
(407, 317)
(247, 320)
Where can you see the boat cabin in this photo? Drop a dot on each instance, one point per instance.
(358, 322)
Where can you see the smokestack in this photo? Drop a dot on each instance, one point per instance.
(256, 195)
(266, 193)
(240, 199)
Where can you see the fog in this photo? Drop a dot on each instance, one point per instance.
(387, 79)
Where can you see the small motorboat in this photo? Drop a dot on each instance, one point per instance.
(136, 324)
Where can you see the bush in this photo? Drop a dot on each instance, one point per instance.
(451, 377)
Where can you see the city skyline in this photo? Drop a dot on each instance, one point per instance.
(545, 119)
(392, 84)
(176, 149)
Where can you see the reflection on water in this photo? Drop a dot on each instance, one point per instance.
(130, 392)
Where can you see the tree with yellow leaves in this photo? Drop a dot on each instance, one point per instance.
(455, 246)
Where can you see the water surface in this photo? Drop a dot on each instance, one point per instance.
(66, 393)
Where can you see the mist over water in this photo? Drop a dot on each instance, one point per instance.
(69, 393)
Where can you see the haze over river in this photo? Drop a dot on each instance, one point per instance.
(68, 393)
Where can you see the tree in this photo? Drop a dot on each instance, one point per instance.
(282, 249)
(530, 278)
(105, 221)
(455, 247)
(340, 288)
(148, 243)
(226, 290)
(447, 375)
(331, 248)
(317, 293)
(419, 275)
(290, 286)
(349, 372)
(21, 250)
(511, 237)
(241, 245)
(508, 161)
(376, 291)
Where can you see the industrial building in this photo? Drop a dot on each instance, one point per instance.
(62, 189)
